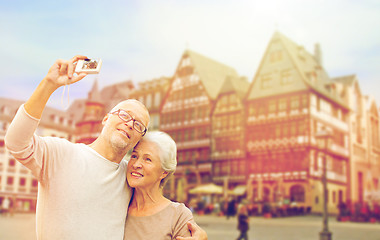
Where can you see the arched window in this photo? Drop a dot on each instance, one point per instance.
(297, 193)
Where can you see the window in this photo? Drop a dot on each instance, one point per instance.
(10, 181)
(156, 122)
(12, 162)
(286, 77)
(141, 99)
(275, 56)
(325, 107)
(297, 193)
(185, 61)
(4, 126)
(272, 106)
(34, 183)
(285, 130)
(148, 101)
(252, 110)
(2, 149)
(53, 118)
(294, 102)
(5, 110)
(22, 181)
(302, 128)
(282, 105)
(157, 99)
(261, 110)
(293, 128)
(266, 81)
(304, 101)
(334, 197)
(185, 71)
(185, 137)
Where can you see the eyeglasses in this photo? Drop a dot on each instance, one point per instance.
(126, 117)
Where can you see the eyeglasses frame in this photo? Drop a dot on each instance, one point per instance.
(117, 112)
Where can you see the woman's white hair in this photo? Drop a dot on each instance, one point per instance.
(168, 152)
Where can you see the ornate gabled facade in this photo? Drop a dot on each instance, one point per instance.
(288, 102)
(17, 182)
(372, 172)
(115, 93)
(90, 112)
(89, 127)
(228, 134)
(364, 140)
(151, 94)
(186, 113)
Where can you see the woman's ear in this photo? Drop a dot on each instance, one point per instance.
(164, 174)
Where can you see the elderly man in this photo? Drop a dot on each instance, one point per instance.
(83, 193)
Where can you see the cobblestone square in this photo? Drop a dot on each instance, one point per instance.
(22, 227)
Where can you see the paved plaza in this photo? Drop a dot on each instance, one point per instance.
(21, 227)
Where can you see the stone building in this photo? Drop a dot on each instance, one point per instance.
(16, 181)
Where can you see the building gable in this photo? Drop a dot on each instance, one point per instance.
(373, 108)
(287, 67)
(210, 72)
(277, 72)
(186, 88)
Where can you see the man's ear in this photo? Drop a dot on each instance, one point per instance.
(105, 119)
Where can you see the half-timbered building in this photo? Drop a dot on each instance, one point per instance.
(289, 101)
(151, 94)
(228, 136)
(186, 113)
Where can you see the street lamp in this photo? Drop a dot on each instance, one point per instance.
(324, 140)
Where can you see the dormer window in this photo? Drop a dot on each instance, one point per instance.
(286, 77)
(276, 56)
(266, 81)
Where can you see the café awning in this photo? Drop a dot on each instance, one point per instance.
(207, 189)
(239, 190)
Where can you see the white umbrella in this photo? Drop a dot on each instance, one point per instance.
(207, 189)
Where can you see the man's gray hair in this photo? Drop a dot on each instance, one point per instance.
(117, 107)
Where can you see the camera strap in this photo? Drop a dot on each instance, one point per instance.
(68, 96)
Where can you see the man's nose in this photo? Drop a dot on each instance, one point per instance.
(129, 124)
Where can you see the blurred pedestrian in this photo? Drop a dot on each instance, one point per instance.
(243, 222)
(5, 206)
(231, 208)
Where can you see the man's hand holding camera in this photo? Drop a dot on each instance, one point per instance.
(62, 72)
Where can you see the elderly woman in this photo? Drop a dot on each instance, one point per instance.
(150, 214)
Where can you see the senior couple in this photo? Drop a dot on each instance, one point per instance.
(90, 191)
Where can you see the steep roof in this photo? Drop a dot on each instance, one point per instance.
(76, 109)
(370, 105)
(347, 80)
(94, 94)
(211, 73)
(13, 105)
(117, 89)
(304, 63)
(238, 85)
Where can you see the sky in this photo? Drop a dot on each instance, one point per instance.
(143, 40)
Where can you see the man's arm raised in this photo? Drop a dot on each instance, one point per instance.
(61, 73)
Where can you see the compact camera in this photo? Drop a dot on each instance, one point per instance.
(90, 66)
